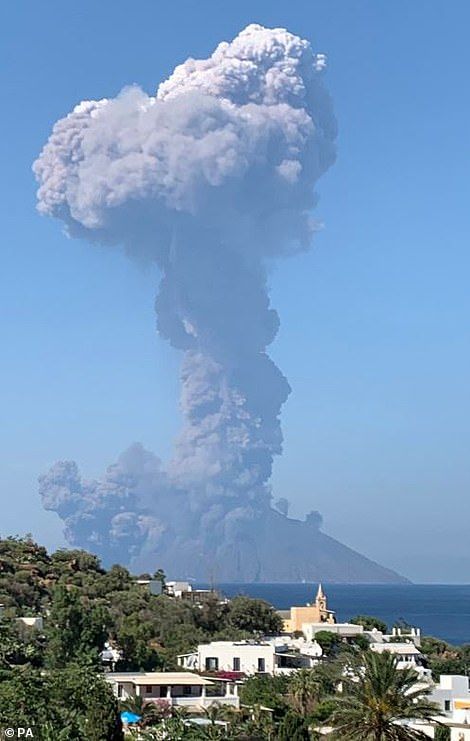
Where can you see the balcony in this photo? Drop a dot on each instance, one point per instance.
(205, 702)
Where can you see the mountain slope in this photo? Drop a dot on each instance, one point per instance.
(274, 548)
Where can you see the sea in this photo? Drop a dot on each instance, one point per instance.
(440, 610)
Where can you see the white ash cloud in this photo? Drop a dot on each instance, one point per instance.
(211, 179)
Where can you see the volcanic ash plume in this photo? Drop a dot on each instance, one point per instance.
(212, 178)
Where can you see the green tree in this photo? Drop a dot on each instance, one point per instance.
(350, 646)
(323, 711)
(329, 674)
(216, 728)
(149, 712)
(361, 642)
(83, 697)
(329, 641)
(376, 697)
(435, 647)
(270, 692)
(369, 622)
(455, 665)
(444, 658)
(19, 644)
(305, 691)
(117, 579)
(74, 703)
(74, 633)
(160, 576)
(133, 639)
(171, 729)
(22, 699)
(293, 728)
(212, 615)
(217, 714)
(84, 604)
(23, 564)
(253, 615)
(258, 724)
(67, 561)
(442, 733)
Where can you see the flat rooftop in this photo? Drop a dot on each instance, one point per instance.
(396, 648)
(158, 678)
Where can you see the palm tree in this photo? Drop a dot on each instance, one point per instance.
(175, 726)
(149, 712)
(218, 715)
(170, 729)
(305, 691)
(256, 723)
(210, 732)
(50, 732)
(376, 698)
(149, 734)
(293, 727)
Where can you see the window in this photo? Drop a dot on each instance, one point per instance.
(261, 665)
(212, 664)
(187, 690)
(236, 663)
(149, 689)
(119, 690)
(447, 706)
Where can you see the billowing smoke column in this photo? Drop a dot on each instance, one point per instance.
(211, 179)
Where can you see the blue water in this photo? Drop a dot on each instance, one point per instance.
(441, 610)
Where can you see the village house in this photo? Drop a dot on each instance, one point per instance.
(154, 586)
(35, 622)
(452, 696)
(408, 655)
(403, 634)
(32, 622)
(349, 631)
(343, 630)
(276, 655)
(177, 689)
(185, 591)
(451, 688)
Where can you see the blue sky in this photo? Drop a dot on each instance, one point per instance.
(374, 320)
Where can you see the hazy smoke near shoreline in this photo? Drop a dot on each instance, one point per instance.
(212, 178)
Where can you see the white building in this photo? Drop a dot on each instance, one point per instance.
(459, 732)
(185, 591)
(277, 655)
(178, 588)
(452, 696)
(408, 655)
(404, 634)
(351, 630)
(32, 622)
(110, 655)
(344, 630)
(154, 586)
(181, 689)
(401, 635)
(451, 687)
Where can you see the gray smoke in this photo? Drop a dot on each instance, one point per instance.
(211, 179)
(282, 506)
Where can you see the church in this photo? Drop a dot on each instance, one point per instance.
(317, 612)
